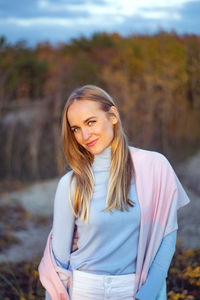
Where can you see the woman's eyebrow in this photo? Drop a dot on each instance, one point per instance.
(85, 121)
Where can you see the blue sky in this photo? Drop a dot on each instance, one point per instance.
(60, 20)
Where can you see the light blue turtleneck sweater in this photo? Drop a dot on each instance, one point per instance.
(108, 243)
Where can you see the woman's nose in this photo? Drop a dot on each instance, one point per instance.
(86, 134)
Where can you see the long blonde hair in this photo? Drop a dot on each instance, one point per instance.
(80, 160)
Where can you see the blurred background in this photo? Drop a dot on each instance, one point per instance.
(147, 56)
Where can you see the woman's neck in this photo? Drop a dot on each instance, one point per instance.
(102, 160)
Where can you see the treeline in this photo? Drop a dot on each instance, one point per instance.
(155, 81)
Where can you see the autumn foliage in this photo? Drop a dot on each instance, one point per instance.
(155, 81)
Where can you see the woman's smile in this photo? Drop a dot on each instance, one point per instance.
(92, 143)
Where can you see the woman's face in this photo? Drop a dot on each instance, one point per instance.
(92, 127)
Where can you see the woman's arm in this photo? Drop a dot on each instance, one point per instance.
(159, 269)
(63, 231)
(63, 222)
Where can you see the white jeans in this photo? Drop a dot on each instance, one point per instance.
(88, 286)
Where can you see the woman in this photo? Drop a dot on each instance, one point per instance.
(123, 201)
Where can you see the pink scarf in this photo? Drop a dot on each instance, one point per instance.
(160, 195)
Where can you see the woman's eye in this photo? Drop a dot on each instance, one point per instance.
(75, 130)
(91, 122)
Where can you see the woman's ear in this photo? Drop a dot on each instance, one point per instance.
(115, 114)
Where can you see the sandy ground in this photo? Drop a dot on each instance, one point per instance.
(38, 200)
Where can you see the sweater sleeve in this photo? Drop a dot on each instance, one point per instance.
(47, 297)
(159, 268)
(63, 230)
(63, 223)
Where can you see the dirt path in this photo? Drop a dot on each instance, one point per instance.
(37, 199)
(189, 222)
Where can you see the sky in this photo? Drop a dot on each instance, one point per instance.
(62, 20)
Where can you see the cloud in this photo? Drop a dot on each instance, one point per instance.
(17, 8)
(183, 18)
(40, 9)
(64, 19)
(189, 21)
(48, 33)
(191, 9)
(47, 8)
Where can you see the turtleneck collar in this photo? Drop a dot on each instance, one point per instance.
(102, 160)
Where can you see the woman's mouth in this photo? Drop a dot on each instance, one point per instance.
(92, 143)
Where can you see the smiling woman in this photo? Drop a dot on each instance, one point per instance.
(122, 200)
(94, 131)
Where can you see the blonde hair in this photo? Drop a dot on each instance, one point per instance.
(80, 160)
